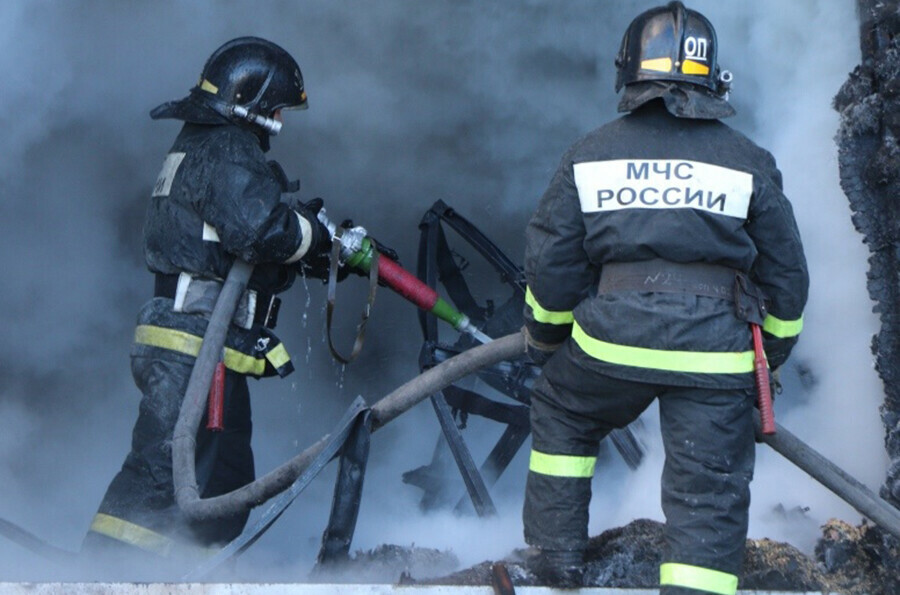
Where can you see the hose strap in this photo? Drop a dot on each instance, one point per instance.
(332, 290)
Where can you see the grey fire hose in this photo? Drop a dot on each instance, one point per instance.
(847, 488)
(405, 397)
(184, 442)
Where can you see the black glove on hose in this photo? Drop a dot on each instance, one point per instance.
(778, 350)
(317, 260)
(321, 240)
(389, 252)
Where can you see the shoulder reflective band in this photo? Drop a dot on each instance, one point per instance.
(182, 342)
(131, 534)
(546, 316)
(700, 362)
(697, 577)
(782, 328)
(562, 465)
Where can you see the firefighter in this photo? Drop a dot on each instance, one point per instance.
(216, 199)
(661, 235)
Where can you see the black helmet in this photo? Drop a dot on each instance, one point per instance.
(245, 80)
(671, 43)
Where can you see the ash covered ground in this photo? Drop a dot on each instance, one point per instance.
(854, 560)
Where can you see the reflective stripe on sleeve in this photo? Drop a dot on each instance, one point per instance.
(546, 316)
(562, 465)
(306, 234)
(782, 328)
(697, 577)
(140, 537)
(182, 342)
(700, 362)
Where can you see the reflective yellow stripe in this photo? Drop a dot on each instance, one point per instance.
(697, 577)
(691, 67)
(701, 362)
(182, 342)
(132, 534)
(562, 465)
(782, 328)
(209, 87)
(657, 64)
(546, 316)
(278, 356)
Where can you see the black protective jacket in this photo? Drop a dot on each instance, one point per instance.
(217, 197)
(652, 186)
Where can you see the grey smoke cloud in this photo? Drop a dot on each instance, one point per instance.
(469, 102)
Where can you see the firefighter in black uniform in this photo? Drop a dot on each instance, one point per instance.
(216, 199)
(661, 236)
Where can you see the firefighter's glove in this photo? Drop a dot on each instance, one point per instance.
(317, 260)
(385, 250)
(321, 240)
(776, 382)
(538, 353)
(777, 350)
(318, 268)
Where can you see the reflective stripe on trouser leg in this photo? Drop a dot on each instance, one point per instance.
(124, 531)
(558, 493)
(710, 453)
(555, 514)
(562, 465)
(571, 411)
(141, 493)
(697, 578)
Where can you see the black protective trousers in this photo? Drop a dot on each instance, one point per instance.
(710, 452)
(142, 493)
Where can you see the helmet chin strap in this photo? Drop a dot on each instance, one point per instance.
(270, 125)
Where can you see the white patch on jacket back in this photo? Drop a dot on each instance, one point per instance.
(662, 184)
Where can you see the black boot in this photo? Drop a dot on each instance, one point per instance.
(563, 569)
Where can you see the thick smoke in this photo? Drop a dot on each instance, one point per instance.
(468, 102)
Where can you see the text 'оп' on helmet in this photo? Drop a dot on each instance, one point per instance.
(671, 43)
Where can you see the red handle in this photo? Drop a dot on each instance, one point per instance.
(406, 284)
(216, 403)
(763, 388)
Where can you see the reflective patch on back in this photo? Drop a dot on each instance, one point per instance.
(619, 184)
(167, 174)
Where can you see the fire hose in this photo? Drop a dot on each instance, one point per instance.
(251, 495)
(385, 410)
(402, 399)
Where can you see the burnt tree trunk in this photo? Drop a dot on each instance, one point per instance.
(869, 159)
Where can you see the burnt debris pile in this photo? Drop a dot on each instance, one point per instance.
(848, 559)
(869, 159)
